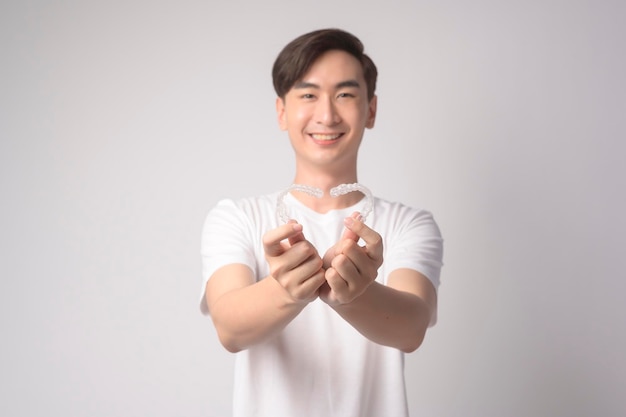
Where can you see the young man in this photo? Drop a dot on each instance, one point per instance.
(321, 308)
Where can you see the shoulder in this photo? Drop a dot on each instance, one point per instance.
(412, 238)
(396, 214)
(401, 224)
(250, 213)
(249, 203)
(249, 206)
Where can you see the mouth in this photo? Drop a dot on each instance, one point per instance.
(325, 137)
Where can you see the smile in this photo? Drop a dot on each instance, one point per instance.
(325, 137)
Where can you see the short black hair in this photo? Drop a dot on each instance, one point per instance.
(297, 57)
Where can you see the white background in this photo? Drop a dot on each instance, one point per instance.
(123, 123)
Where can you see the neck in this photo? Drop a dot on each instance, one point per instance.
(324, 178)
(326, 202)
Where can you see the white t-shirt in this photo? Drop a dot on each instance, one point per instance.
(319, 365)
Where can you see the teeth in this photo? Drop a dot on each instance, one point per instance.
(318, 136)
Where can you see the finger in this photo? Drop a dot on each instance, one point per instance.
(349, 234)
(314, 282)
(335, 281)
(359, 259)
(346, 269)
(328, 256)
(298, 237)
(272, 239)
(373, 241)
(299, 261)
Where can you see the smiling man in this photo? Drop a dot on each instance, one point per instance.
(321, 308)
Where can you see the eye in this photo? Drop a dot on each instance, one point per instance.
(345, 95)
(307, 96)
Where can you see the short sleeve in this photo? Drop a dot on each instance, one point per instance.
(417, 244)
(226, 239)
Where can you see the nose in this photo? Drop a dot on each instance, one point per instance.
(326, 112)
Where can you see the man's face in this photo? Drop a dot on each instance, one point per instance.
(327, 111)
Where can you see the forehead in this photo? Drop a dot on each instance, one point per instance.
(334, 66)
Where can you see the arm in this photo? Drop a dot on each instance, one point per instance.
(246, 312)
(397, 314)
(394, 315)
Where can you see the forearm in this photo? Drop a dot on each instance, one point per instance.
(388, 316)
(249, 315)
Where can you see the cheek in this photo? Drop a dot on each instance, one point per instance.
(356, 117)
(356, 111)
(298, 117)
(303, 112)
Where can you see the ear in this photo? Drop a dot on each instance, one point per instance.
(371, 112)
(280, 113)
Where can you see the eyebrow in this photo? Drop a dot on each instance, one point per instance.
(342, 84)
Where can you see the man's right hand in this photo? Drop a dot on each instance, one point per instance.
(294, 262)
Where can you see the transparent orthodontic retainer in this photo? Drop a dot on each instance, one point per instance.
(281, 209)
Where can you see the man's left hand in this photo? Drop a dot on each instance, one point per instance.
(351, 268)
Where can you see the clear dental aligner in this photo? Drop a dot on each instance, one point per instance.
(348, 188)
(281, 209)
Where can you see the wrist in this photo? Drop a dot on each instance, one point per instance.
(283, 299)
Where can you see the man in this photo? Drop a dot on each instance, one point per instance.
(321, 308)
